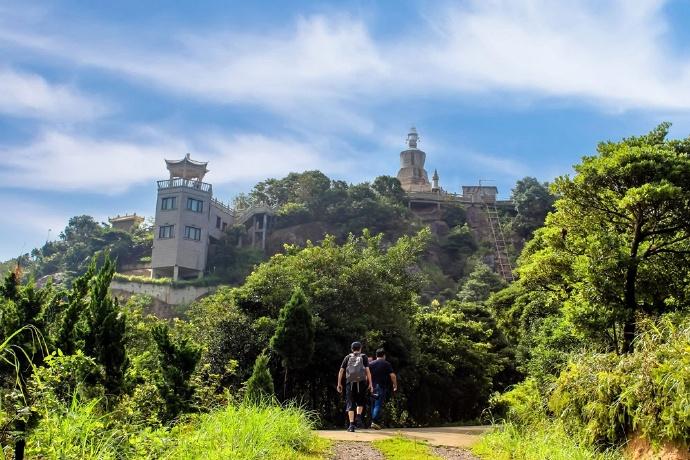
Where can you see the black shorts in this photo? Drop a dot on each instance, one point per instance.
(356, 394)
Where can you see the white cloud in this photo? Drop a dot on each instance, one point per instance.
(30, 95)
(71, 162)
(306, 73)
(27, 225)
(255, 157)
(607, 53)
(62, 161)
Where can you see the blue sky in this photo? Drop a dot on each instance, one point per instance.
(94, 95)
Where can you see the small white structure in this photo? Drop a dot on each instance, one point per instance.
(479, 193)
(126, 223)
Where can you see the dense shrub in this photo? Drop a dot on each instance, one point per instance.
(600, 399)
(607, 396)
(539, 441)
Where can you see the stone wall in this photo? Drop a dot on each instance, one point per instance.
(167, 299)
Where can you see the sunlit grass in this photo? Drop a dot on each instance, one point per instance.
(247, 432)
(400, 448)
(546, 441)
(79, 432)
(242, 432)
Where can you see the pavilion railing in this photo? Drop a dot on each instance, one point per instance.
(187, 183)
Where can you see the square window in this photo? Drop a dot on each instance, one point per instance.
(192, 233)
(168, 203)
(166, 231)
(195, 205)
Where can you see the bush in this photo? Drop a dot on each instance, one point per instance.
(292, 214)
(260, 385)
(64, 377)
(607, 397)
(523, 404)
(544, 440)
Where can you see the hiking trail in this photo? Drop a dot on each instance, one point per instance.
(450, 443)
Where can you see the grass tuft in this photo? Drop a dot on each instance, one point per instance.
(400, 448)
(247, 432)
(536, 442)
(242, 432)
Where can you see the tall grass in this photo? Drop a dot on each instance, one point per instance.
(13, 422)
(536, 442)
(11, 354)
(246, 432)
(240, 432)
(77, 432)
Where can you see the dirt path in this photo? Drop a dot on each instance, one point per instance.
(463, 437)
(450, 453)
(450, 443)
(352, 450)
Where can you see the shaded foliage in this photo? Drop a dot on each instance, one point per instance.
(259, 387)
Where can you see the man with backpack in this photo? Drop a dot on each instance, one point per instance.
(355, 368)
(381, 373)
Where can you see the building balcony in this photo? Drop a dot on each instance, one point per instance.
(185, 183)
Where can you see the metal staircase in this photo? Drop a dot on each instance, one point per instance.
(503, 265)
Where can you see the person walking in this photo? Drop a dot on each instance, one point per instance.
(355, 369)
(381, 371)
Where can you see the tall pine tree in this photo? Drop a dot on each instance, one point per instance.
(293, 340)
(178, 359)
(105, 336)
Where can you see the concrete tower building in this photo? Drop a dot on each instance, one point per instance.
(189, 219)
(180, 243)
(412, 175)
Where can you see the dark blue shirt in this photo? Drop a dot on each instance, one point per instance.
(380, 371)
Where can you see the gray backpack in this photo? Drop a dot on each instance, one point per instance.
(355, 368)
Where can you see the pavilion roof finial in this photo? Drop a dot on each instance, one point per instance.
(187, 168)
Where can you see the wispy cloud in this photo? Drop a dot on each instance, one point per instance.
(63, 161)
(30, 95)
(606, 53)
(310, 72)
(255, 157)
(72, 162)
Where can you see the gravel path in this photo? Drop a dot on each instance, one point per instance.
(450, 453)
(350, 450)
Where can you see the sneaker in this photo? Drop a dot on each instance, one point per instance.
(358, 421)
(351, 428)
(375, 426)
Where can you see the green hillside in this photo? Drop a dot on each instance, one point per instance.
(586, 350)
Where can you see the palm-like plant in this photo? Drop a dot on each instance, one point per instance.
(13, 424)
